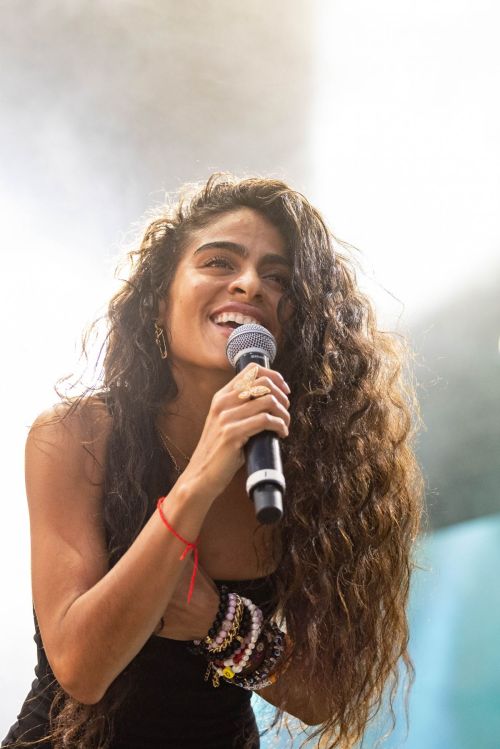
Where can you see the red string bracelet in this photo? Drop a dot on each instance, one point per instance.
(189, 547)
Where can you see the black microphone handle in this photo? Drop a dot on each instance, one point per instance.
(263, 449)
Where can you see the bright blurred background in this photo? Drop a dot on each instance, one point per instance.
(387, 116)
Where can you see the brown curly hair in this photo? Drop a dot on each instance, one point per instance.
(354, 493)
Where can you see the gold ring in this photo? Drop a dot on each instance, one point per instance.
(247, 388)
(256, 391)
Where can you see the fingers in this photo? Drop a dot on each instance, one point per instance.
(265, 404)
(255, 381)
(231, 421)
(270, 421)
(239, 430)
(255, 415)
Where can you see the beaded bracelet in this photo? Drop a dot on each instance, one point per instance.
(196, 647)
(230, 632)
(224, 629)
(230, 627)
(258, 655)
(229, 667)
(237, 646)
(238, 661)
(266, 673)
(221, 613)
(228, 653)
(239, 641)
(234, 649)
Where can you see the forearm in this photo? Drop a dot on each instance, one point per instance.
(107, 625)
(309, 707)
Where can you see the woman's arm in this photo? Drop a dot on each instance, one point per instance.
(310, 708)
(94, 620)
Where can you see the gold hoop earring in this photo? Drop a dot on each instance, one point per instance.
(160, 340)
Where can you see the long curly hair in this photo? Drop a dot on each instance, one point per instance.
(354, 488)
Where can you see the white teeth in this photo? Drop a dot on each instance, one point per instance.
(234, 317)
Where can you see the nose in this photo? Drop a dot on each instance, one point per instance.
(247, 282)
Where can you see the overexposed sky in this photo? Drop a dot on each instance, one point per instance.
(405, 162)
(406, 142)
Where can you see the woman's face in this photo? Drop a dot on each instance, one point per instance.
(235, 270)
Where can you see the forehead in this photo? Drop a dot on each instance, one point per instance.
(244, 225)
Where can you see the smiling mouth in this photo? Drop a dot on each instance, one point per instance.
(228, 321)
(224, 329)
(228, 326)
(233, 319)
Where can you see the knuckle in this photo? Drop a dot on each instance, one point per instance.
(267, 381)
(220, 402)
(223, 419)
(227, 426)
(216, 402)
(250, 367)
(226, 432)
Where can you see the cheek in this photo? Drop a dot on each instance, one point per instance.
(199, 288)
(286, 310)
(186, 301)
(190, 302)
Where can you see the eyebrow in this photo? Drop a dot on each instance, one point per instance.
(242, 251)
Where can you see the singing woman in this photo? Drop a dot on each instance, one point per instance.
(161, 604)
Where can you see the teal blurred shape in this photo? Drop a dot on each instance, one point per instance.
(454, 616)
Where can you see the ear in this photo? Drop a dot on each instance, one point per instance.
(162, 309)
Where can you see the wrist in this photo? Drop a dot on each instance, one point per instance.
(191, 491)
(193, 487)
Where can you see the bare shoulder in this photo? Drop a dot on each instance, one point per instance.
(76, 433)
(65, 468)
(83, 419)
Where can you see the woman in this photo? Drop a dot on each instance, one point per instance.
(139, 515)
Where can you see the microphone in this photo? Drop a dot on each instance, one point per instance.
(252, 343)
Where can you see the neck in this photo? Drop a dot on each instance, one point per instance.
(184, 417)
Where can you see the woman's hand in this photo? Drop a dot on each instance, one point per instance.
(191, 621)
(231, 421)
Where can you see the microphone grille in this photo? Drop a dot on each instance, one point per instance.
(250, 336)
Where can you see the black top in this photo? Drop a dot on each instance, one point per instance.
(168, 704)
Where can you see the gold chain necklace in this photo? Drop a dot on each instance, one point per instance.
(165, 439)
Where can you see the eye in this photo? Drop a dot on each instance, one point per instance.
(280, 279)
(218, 261)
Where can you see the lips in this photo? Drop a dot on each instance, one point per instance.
(230, 316)
(239, 313)
(224, 329)
(233, 317)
